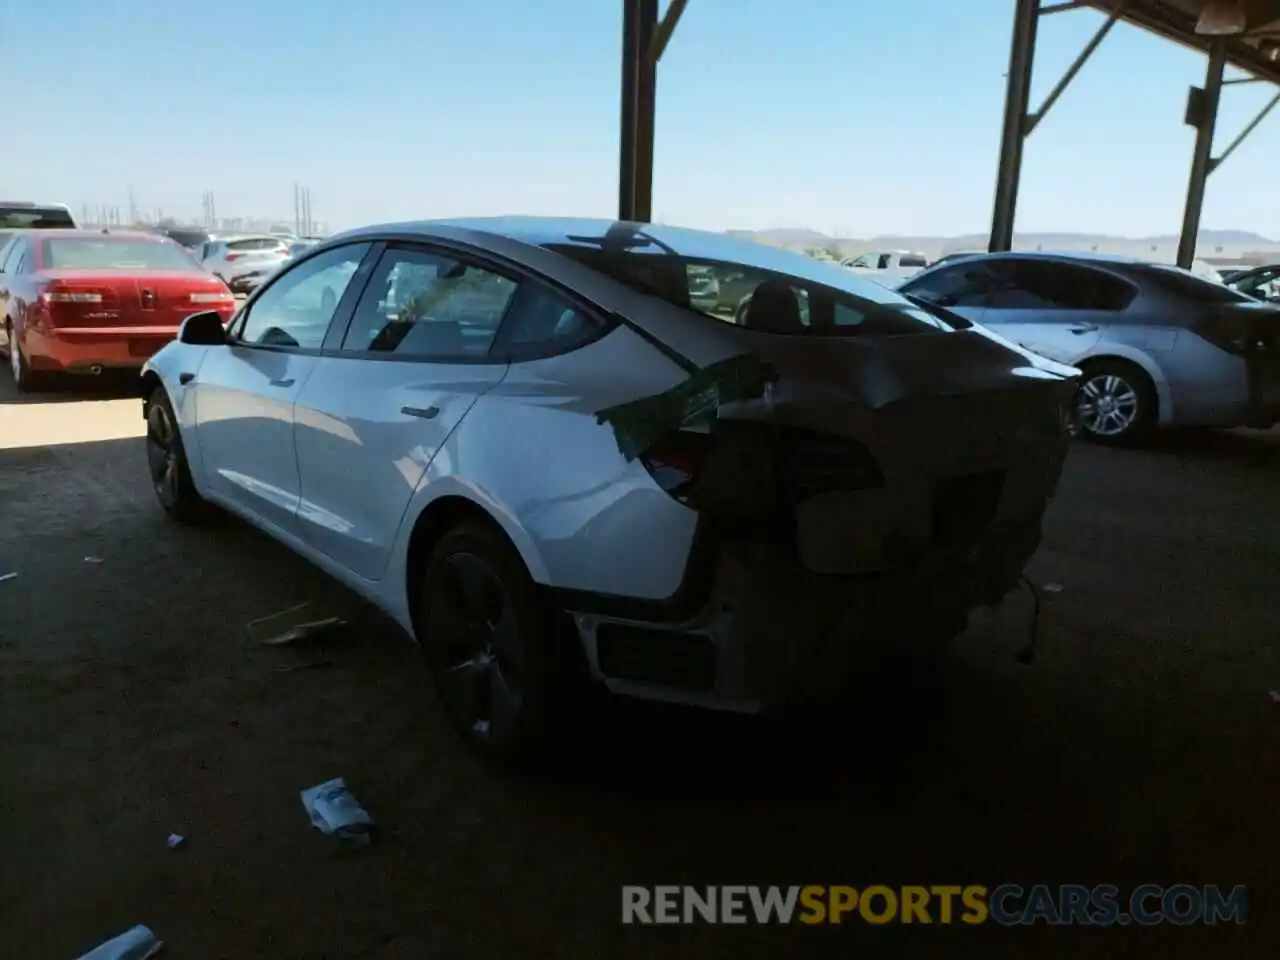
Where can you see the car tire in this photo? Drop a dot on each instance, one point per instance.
(167, 463)
(1130, 413)
(25, 380)
(505, 665)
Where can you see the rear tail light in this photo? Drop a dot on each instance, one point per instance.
(223, 296)
(231, 257)
(676, 462)
(70, 296)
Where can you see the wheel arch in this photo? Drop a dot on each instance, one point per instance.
(442, 514)
(1155, 377)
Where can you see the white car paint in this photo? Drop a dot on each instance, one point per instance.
(339, 456)
(886, 267)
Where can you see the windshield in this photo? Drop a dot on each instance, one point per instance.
(36, 218)
(109, 253)
(749, 284)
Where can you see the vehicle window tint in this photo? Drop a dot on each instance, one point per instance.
(911, 260)
(1050, 285)
(113, 253)
(1186, 285)
(957, 286)
(295, 311)
(36, 218)
(542, 316)
(884, 262)
(8, 256)
(425, 304)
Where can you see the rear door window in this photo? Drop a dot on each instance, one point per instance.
(1051, 285)
(425, 304)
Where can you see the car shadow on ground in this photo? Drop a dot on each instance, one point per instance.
(1242, 446)
(106, 386)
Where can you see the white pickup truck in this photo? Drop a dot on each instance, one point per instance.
(887, 267)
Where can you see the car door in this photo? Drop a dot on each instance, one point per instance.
(962, 289)
(1056, 309)
(375, 412)
(246, 391)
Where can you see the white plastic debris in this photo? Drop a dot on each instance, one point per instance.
(335, 812)
(7, 576)
(292, 625)
(136, 944)
(92, 559)
(175, 840)
(1053, 588)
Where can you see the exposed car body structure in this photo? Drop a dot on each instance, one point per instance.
(1158, 345)
(1261, 283)
(81, 301)
(717, 513)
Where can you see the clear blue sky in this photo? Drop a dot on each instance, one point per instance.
(853, 116)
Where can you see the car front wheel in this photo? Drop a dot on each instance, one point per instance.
(167, 463)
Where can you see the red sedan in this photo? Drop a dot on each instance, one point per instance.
(79, 301)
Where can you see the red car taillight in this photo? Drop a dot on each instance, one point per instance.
(232, 257)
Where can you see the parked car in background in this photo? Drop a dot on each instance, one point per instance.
(80, 302)
(1157, 344)
(889, 267)
(959, 255)
(243, 262)
(1261, 283)
(18, 215)
(191, 239)
(521, 440)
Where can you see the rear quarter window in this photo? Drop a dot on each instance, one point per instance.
(1187, 286)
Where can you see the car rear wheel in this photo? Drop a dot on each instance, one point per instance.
(500, 661)
(24, 379)
(167, 463)
(1116, 403)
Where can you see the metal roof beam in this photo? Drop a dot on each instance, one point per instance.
(1244, 134)
(662, 36)
(1033, 119)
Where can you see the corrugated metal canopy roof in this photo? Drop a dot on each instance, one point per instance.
(1255, 48)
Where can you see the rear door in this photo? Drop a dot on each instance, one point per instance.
(1059, 310)
(246, 391)
(374, 414)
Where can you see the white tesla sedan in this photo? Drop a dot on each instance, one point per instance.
(523, 440)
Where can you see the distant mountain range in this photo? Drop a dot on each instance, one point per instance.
(1230, 242)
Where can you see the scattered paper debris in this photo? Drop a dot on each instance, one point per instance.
(138, 943)
(292, 625)
(1274, 695)
(175, 840)
(92, 559)
(1053, 588)
(335, 812)
(7, 576)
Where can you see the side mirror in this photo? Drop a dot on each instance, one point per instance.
(203, 330)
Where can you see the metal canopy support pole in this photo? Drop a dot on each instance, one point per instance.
(1017, 92)
(1244, 134)
(635, 162)
(1206, 118)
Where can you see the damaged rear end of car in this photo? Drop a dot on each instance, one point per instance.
(864, 471)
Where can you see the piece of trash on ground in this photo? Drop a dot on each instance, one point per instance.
(335, 812)
(1053, 588)
(7, 576)
(297, 623)
(92, 559)
(138, 943)
(175, 840)
(308, 665)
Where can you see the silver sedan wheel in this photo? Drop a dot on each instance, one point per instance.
(1107, 406)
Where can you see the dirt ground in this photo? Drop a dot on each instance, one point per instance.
(1140, 747)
